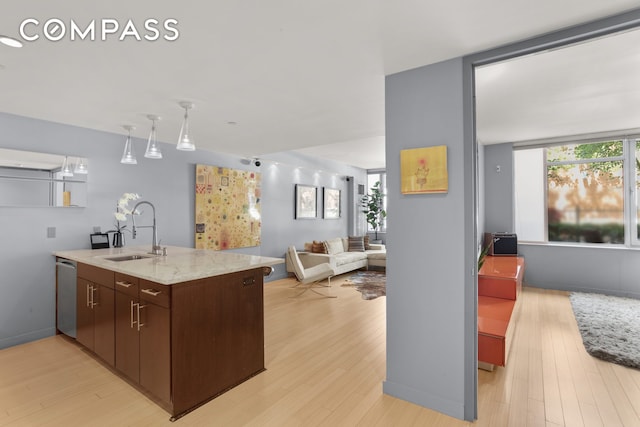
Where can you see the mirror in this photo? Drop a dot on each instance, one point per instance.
(31, 179)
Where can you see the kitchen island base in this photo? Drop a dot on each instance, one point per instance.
(181, 344)
(217, 336)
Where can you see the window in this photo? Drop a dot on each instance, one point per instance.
(372, 178)
(578, 192)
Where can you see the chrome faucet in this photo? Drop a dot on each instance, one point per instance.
(155, 247)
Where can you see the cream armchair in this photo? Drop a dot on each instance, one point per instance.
(310, 277)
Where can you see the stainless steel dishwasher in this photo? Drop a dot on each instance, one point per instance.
(66, 271)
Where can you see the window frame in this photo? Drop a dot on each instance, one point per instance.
(382, 177)
(630, 190)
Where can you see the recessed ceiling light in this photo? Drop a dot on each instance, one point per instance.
(232, 123)
(10, 41)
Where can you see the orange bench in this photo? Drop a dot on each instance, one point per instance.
(499, 285)
(501, 277)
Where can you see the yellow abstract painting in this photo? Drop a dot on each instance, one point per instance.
(424, 170)
(227, 208)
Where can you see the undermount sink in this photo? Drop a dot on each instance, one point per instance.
(128, 257)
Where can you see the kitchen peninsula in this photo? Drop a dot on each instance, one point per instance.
(182, 327)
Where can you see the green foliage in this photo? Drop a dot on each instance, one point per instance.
(598, 150)
(594, 173)
(588, 233)
(483, 254)
(373, 207)
(590, 150)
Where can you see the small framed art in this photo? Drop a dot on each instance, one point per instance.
(331, 203)
(424, 170)
(306, 202)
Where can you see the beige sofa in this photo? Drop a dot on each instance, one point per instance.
(342, 260)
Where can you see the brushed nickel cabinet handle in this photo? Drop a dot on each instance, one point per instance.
(140, 324)
(93, 302)
(124, 284)
(88, 301)
(132, 321)
(151, 292)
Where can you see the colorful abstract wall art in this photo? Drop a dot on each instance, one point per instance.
(227, 208)
(424, 170)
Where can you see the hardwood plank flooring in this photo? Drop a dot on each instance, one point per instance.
(325, 362)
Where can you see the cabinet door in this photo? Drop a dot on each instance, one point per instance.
(155, 354)
(242, 336)
(127, 342)
(84, 314)
(103, 312)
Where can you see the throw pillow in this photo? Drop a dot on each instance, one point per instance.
(318, 248)
(356, 244)
(308, 247)
(366, 243)
(334, 246)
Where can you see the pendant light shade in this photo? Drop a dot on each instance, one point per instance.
(81, 167)
(66, 168)
(185, 142)
(10, 41)
(153, 150)
(128, 155)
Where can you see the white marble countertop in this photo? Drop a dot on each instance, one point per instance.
(179, 265)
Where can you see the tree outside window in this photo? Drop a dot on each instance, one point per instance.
(585, 194)
(578, 192)
(372, 179)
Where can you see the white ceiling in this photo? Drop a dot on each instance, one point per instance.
(586, 88)
(292, 75)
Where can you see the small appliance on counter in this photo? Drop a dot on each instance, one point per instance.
(99, 240)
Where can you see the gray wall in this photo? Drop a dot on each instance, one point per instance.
(498, 197)
(27, 283)
(480, 195)
(280, 173)
(428, 351)
(610, 270)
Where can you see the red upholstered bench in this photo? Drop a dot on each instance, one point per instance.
(499, 285)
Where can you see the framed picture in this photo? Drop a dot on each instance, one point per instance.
(306, 197)
(331, 203)
(424, 170)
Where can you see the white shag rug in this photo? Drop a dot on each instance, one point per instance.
(610, 326)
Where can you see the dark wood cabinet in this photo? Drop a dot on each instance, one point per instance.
(127, 337)
(94, 315)
(181, 344)
(155, 350)
(142, 334)
(217, 335)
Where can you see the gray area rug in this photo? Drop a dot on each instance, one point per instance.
(610, 327)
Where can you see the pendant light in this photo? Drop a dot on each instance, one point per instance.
(185, 142)
(153, 151)
(10, 41)
(81, 167)
(128, 155)
(66, 168)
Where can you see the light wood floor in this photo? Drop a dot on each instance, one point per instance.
(325, 363)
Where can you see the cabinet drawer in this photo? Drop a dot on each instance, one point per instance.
(155, 293)
(96, 274)
(127, 284)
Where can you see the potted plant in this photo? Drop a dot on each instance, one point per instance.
(483, 254)
(122, 210)
(373, 210)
